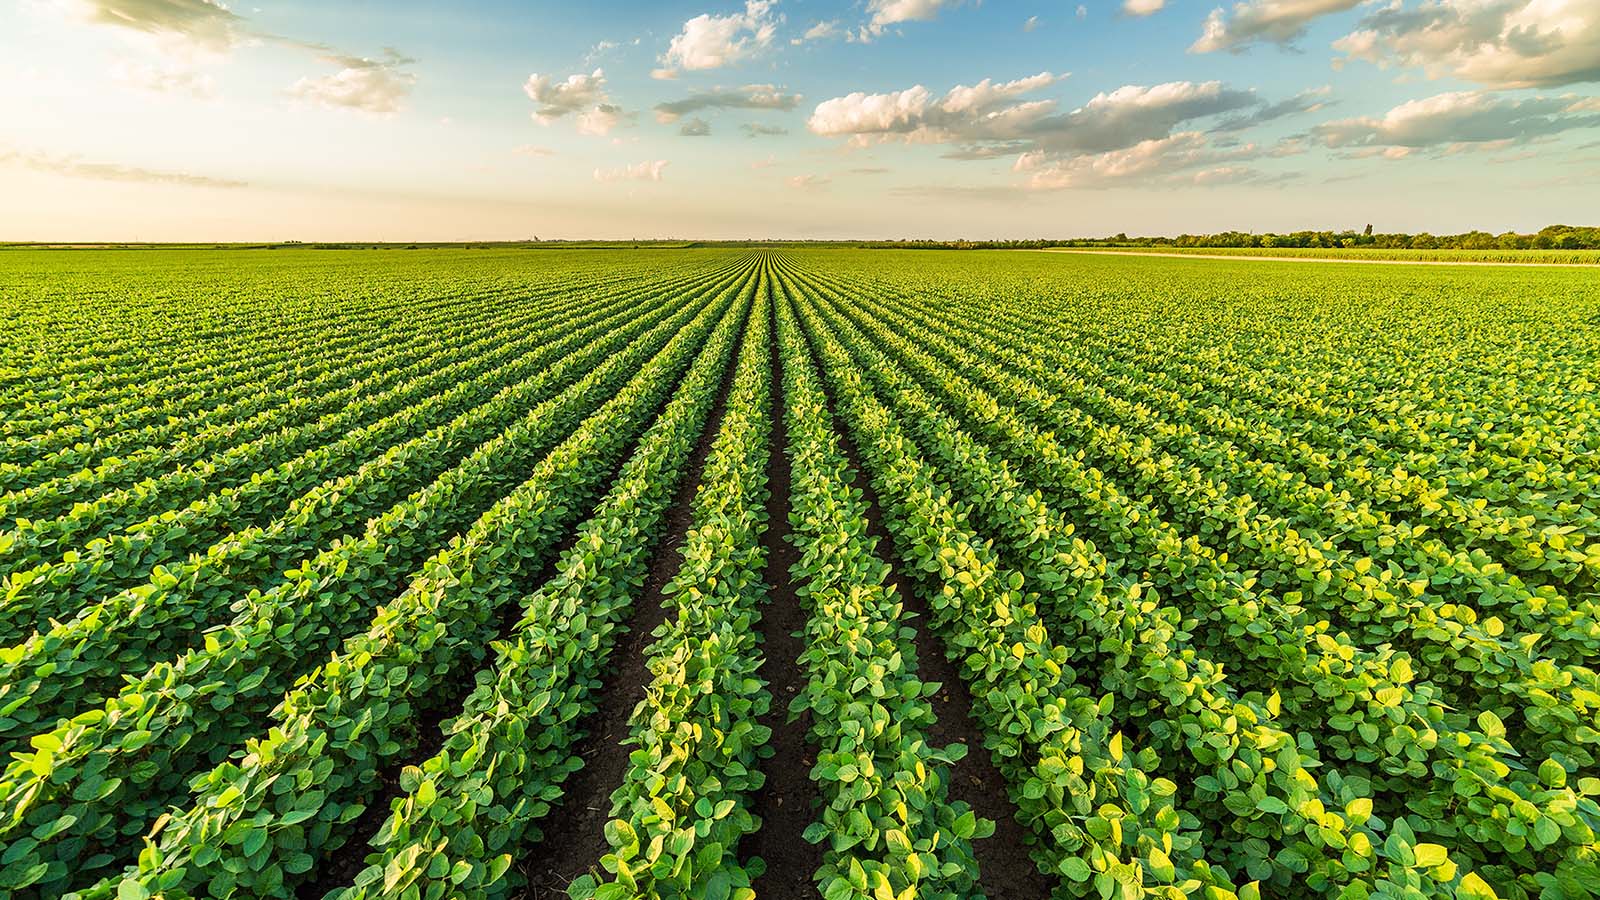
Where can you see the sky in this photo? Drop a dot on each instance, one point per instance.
(177, 120)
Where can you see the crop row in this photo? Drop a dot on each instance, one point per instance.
(1515, 817)
(138, 749)
(1237, 587)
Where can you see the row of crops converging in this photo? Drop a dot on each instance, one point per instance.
(851, 574)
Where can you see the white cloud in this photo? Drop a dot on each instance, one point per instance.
(582, 96)
(986, 94)
(1143, 8)
(757, 130)
(533, 150)
(598, 121)
(370, 85)
(1496, 43)
(207, 24)
(696, 127)
(710, 42)
(991, 119)
(1179, 133)
(559, 98)
(860, 113)
(1083, 11)
(1274, 21)
(750, 96)
(203, 29)
(1460, 120)
(976, 112)
(73, 167)
(1159, 161)
(645, 171)
(820, 31)
(808, 182)
(1135, 113)
(893, 12)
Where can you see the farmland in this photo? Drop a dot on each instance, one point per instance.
(731, 573)
(1359, 254)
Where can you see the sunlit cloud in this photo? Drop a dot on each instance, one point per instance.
(976, 112)
(885, 13)
(377, 86)
(201, 22)
(1185, 159)
(992, 119)
(1459, 120)
(75, 167)
(756, 129)
(644, 171)
(190, 30)
(1166, 131)
(751, 96)
(820, 31)
(1495, 43)
(582, 96)
(1263, 21)
(710, 41)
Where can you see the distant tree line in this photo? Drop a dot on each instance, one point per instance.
(1554, 237)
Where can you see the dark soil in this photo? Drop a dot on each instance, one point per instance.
(786, 803)
(1006, 872)
(575, 828)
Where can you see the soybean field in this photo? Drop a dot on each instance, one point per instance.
(796, 572)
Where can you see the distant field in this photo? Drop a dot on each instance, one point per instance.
(1561, 257)
(733, 573)
(1497, 256)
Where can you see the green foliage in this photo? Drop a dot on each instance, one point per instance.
(471, 808)
(1264, 580)
(887, 824)
(341, 722)
(685, 800)
(1489, 834)
(71, 666)
(147, 732)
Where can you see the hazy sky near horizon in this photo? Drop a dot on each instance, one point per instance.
(189, 120)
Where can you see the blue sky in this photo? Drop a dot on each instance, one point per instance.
(183, 119)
